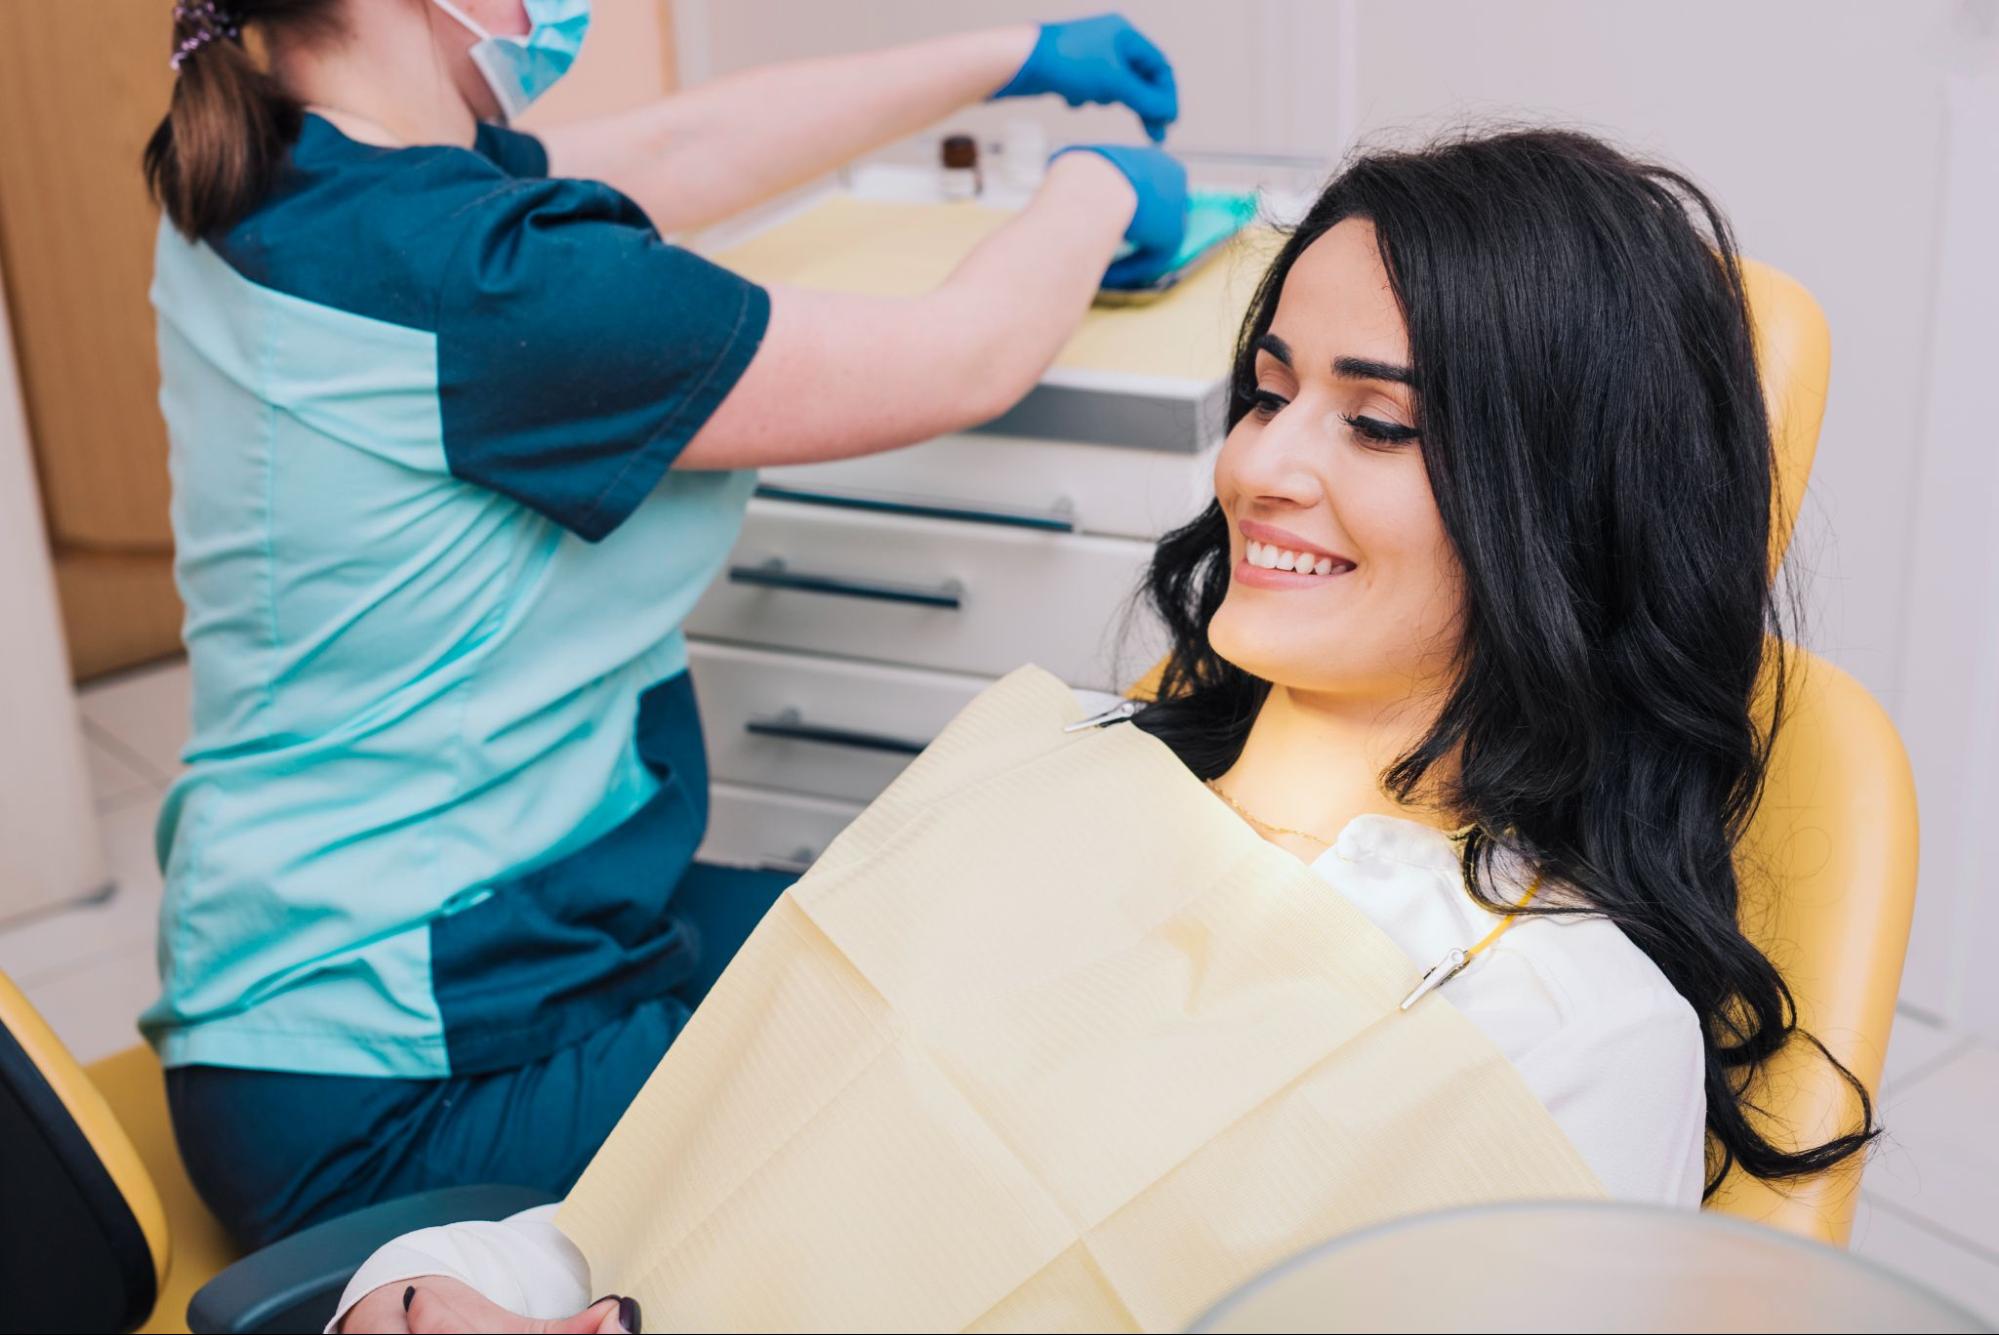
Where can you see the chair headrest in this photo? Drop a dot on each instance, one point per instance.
(1794, 358)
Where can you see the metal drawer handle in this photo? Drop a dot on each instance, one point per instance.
(775, 574)
(792, 727)
(1058, 520)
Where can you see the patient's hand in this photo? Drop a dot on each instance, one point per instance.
(436, 1303)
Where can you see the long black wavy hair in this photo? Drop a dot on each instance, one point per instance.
(1593, 426)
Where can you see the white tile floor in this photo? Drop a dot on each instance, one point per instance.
(1929, 1208)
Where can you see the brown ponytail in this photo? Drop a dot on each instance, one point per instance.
(223, 140)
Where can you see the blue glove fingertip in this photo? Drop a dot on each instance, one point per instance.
(1103, 59)
(1141, 268)
(1133, 271)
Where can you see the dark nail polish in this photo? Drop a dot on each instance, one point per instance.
(409, 1296)
(628, 1315)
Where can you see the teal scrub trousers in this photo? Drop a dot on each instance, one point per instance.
(279, 1151)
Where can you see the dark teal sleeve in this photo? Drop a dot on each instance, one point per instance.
(513, 152)
(578, 353)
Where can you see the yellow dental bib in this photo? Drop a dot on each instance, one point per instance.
(1046, 1040)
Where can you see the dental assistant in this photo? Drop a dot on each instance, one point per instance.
(457, 441)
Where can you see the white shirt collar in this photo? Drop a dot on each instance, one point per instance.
(1380, 838)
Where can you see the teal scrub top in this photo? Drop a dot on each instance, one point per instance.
(445, 768)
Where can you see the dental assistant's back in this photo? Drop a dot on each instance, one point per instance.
(445, 765)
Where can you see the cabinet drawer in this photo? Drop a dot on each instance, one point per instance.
(934, 593)
(1119, 492)
(750, 827)
(820, 726)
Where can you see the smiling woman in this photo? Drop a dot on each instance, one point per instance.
(1505, 388)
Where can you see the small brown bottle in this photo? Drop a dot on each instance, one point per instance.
(960, 179)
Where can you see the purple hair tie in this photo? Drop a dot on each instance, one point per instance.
(210, 22)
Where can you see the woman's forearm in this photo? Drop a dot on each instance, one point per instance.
(714, 150)
(1043, 271)
(840, 375)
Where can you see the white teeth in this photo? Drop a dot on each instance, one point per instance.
(1268, 556)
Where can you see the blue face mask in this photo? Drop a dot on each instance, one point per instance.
(521, 69)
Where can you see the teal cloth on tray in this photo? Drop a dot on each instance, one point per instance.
(1213, 216)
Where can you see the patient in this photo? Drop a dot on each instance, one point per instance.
(1472, 627)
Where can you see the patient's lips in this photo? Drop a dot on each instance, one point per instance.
(1273, 558)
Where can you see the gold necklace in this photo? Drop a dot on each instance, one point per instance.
(1454, 961)
(1215, 787)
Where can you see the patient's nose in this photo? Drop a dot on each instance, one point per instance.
(1279, 466)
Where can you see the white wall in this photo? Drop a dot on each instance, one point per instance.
(50, 851)
(1820, 128)
(1949, 708)
(1234, 62)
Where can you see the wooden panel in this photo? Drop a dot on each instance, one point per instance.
(117, 611)
(82, 84)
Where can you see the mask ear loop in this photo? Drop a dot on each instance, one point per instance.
(471, 24)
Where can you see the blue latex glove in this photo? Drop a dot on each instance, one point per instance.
(1103, 59)
(1160, 222)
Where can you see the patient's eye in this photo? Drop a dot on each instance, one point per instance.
(1374, 431)
(1264, 405)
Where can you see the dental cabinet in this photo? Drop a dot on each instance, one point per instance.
(867, 601)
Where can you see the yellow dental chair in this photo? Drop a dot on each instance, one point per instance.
(100, 1226)
(1829, 864)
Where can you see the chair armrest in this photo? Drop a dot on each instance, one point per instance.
(293, 1285)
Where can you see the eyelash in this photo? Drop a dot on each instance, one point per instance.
(1266, 405)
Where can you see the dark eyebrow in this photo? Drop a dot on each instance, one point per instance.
(1276, 347)
(1359, 368)
(1350, 368)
